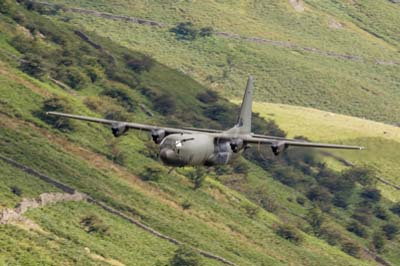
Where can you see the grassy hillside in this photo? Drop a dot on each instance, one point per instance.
(365, 87)
(238, 213)
(382, 141)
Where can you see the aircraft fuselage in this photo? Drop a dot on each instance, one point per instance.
(195, 149)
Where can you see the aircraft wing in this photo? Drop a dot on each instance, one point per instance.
(285, 143)
(121, 124)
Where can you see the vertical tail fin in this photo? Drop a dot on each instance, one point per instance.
(244, 119)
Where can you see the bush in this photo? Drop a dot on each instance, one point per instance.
(318, 193)
(16, 190)
(33, 66)
(122, 97)
(378, 241)
(371, 194)
(390, 230)
(57, 104)
(251, 210)
(289, 233)
(186, 256)
(351, 248)
(331, 235)
(144, 63)
(362, 175)
(73, 77)
(396, 209)
(357, 229)
(206, 32)
(185, 31)
(152, 173)
(6, 7)
(197, 177)
(93, 224)
(208, 96)
(301, 200)
(315, 219)
(186, 205)
(164, 104)
(381, 213)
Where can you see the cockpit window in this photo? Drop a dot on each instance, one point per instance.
(168, 143)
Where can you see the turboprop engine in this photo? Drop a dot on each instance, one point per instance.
(158, 135)
(118, 129)
(236, 145)
(278, 147)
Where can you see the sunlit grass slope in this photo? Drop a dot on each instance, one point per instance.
(382, 141)
(290, 76)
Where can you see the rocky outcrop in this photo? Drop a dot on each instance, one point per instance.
(298, 5)
(13, 215)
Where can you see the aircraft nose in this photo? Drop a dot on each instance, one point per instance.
(168, 156)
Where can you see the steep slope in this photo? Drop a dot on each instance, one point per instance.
(48, 65)
(338, 56)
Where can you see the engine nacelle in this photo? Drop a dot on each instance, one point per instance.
(236, 145)
(118, 129)
(278, 147)
(158, 135)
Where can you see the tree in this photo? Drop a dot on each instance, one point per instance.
(186, 256)
(315, 219)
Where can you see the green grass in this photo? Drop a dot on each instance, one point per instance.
(361, 89)
(382, 141)
(218, 219)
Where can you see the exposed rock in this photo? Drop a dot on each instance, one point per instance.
(298, 5)
(333, 24)
(12, 215)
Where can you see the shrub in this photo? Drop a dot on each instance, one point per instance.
(362, 175)
(330, 234)
(371, 194)
(208, 96)
(186, 205)
(315, 219)
(251, 210)
(396, 209)
(122, 97)
(289, 233)
(93, 224)
(185, 31)
(206, 32)
(186, 256)
(378, 241)
(301, 200)
(351, 248)
(57, 104)
(318, 193)
(152, 173)
(381, 213)
(164, 104)
(72, 76)
(390, 230)
(357, 229)
(6, 7)
(16, 190)
(144, 63)
(33, 66)
(197, 177)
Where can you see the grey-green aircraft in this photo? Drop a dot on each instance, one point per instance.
(193, 147)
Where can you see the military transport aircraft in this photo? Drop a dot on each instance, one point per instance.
(193, 147)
